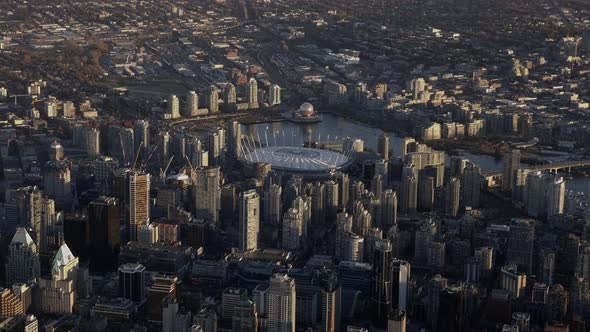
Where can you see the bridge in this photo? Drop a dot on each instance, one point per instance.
(554, 167)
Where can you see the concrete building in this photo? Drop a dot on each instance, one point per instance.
(22, 262)
(249, 220)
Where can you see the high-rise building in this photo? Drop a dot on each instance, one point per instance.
(400, 284)
(132, 284)
(292, 229)
(352, 247)
(409, 190)
(331, 199)
(280, 304)
(555, 197)
(22, 262)
(57, 182)
(92, 142)
(56, 151)
(471, 184)
(29, 211)
(453, 197)
(235, 138)
(230, 298)
(104, 215)
(249, 222)
(213, 99)
(139, 202)
(388, 209)
(229, 97)
(274, 95)
(173, 107)
(426, 193)
(164, 147)
(192, 103)
(57, 294)
(141, 130)
(381, 283)
(511, 164)
(206, 193)
(163, 286)
(318, 203)
(397, 321)
(273, 208)
(10, 303)
(343, 189)
(520, 244)
(513, 281)
(245, 316)
(383, 146)
(252, 91)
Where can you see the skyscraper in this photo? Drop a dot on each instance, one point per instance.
(235, 137)
(280, 304)
(555, 197)
(58, 293)
(273, 209)
(57, 182)
(274, 95)
(141, 131)
(22, 262)
(520, 244)
(343, 189)
(132, 284)
(388, 209)
(164, 147)
(173, 107)
(381, 283)
(252, 91)
(317, 203)
(400, 284)
(29, 210)
(409, 190)
(245, 316)
(452, 197)
(104, 214)
(213, 99)
(511, 164)
(331, 199)
(206, 193)
(397, 321)
(92, 142)
(139, 202)
(383, 146)
(229, 97)
(471, 184)
(192, 103)
(292, 229)
(249, 222)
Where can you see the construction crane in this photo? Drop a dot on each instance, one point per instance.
(15, 96)
(163, 171)
(136, 156)
(122, 148)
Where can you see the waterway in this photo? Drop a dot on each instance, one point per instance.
(333, 127)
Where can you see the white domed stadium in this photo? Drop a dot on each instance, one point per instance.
(306, 161)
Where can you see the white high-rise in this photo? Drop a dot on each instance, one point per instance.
(192, 103)
(280, 304)
(92, 140)
(249, 222)
(213, 99)
(173, 107)
(555, 197)
(274, 95)
(252, 90)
